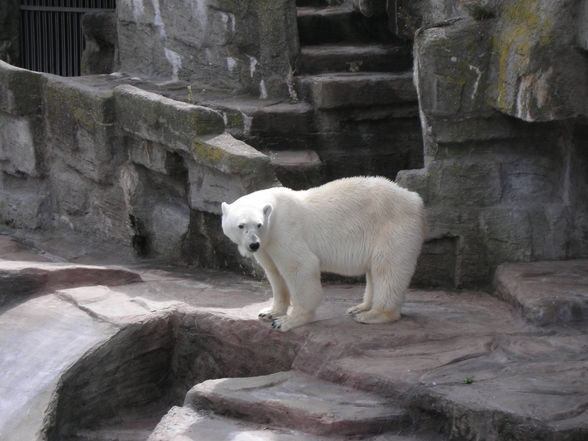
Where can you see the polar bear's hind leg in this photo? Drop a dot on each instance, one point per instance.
(393, 265)
(366, 305)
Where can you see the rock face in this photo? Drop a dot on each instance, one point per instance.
(505, 163)
(245, 47)
(536, 60)
(118, 163)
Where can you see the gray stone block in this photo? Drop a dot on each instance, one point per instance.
(17, 147)
(465, 183)
(547, 293)
(147, 153)
(340, 90)
(169, 224)
(209, 187)
(237, 46)
(162, 120)
(20, 90)
(506, 233)
(23, 202)
(71, 192)
(451, 68)
(80, 127)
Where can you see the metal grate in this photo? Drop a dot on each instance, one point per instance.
(51, 33)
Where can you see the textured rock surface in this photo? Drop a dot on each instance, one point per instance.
(216, 44)
(496, 187)
(93, 362)
(98, 157)
(32, 371)
(186, 424)
(298, 401)
(18, 278)
(535, 60)
(547, 293)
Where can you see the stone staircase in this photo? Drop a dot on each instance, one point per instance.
(358, 80)
(283, 406)
(353, 107)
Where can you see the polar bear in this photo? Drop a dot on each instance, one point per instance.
(350, 226)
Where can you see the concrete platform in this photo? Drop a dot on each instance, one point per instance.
(465, 365)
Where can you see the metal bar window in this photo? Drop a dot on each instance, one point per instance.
(51, 33)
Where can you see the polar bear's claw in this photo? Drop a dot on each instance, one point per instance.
(269, 314)
(357, 309)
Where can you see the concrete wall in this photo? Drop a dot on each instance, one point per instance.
(117, 164)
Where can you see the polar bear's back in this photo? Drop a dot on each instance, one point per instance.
(370, 195)
(345, 219)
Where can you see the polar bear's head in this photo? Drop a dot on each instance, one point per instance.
(246, 225)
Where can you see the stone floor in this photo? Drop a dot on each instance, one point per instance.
(137, 351)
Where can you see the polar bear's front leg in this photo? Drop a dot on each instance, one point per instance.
(280, 293)
(304, 283)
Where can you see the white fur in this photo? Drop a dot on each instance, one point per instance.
(351, 226)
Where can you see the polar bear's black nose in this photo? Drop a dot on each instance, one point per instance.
(254, 246)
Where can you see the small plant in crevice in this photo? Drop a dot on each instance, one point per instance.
(468, 380)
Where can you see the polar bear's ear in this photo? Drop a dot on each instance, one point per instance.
(267, 210)
(225, 208)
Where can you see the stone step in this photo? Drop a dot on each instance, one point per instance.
(354, 58)
(352, 90)
(186, 424)
(297, 169)
(337, 24)
(301, 402)
(282, 118)
(546, 293)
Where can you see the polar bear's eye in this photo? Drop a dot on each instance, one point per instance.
(241, 226)
(258, 226)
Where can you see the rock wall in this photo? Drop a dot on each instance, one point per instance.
(119, 164)
(503, 110)
(218, 44)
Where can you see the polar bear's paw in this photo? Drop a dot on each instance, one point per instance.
(270, 314)
(358, 308)
(376, 316)
(287, 322)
